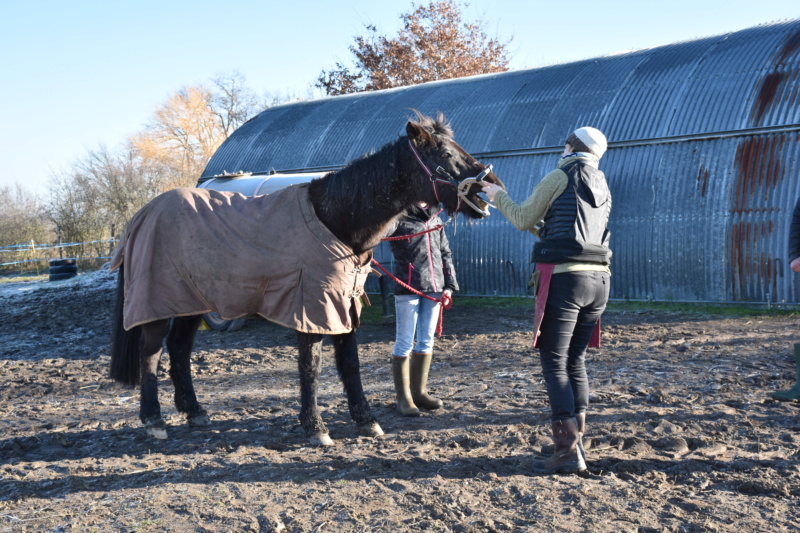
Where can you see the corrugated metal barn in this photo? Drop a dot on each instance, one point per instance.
(702, 160)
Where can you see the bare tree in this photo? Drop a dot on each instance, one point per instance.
(434, 44)
(23, 227)
(76, 210)
(22, 217)
(120, 181)
(233, 102)
(96, 196)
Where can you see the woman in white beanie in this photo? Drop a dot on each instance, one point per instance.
(568, 210)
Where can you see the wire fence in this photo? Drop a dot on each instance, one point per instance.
(32, 258)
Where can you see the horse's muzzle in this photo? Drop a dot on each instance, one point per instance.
(468, 194)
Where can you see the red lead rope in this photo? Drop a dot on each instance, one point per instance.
(445, 301)
(408, 237)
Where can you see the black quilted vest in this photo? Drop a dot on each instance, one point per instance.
(576, 226)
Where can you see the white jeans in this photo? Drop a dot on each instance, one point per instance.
(417, 318)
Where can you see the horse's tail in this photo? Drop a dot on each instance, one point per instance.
(124, 344)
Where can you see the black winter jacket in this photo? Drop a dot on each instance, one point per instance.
(794, 233)
(576, 225)
(423, 262)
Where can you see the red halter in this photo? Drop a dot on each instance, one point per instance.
(431, 176)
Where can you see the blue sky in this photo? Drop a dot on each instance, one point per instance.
(83, 73)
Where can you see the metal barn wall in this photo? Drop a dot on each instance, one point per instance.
(702, 160)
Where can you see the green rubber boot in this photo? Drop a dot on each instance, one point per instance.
(420, 367)
(793, 394)
(401, 374)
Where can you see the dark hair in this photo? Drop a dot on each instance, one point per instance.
(577, 144)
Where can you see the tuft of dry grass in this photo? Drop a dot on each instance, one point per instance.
(23, 278)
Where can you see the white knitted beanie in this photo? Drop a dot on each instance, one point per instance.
(591, 138)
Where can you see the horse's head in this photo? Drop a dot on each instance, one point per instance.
(454, 175)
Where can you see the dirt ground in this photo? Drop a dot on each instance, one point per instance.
(682, 433)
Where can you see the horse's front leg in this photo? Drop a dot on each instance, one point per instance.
(152, 335)
(346, 349)
(310, 345)
(180, 341)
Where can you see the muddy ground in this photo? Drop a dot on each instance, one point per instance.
(682, 433)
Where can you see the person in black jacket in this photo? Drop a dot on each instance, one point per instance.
(793, 394)
(569, 212)
(423, 261)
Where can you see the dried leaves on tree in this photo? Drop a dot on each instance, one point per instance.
(189, 127)
(434, 44)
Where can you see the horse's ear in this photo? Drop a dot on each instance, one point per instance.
(419, 135)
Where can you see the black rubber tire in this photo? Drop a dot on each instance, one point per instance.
(59, 277)
(64, 269)
(217, 323)
(62, 262)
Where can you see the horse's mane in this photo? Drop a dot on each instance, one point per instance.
(361, 199)
(439, 125)
(350, 201)
(361, 179)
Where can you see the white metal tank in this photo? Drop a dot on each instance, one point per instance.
(254, 185)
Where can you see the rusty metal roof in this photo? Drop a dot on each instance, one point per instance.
(702, 161)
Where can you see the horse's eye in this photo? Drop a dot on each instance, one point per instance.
(447, 155)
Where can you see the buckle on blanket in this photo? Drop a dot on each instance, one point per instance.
(355, 293)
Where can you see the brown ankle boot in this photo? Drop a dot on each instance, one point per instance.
(580, 419)
(566, 458)
(420, 367)
(400, 372)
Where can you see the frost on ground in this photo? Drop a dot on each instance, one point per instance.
(682, 433)
(98, 279)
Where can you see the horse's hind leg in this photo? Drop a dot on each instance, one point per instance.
(346, 349)
(310, 345)
(152, 336)
(180, 341)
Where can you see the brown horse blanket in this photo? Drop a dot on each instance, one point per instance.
(192, 251)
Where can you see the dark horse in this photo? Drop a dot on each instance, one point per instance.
(359, 204)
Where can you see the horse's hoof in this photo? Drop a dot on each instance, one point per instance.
(372, 429)
(157, 430)
(197, 421)
(321, 439)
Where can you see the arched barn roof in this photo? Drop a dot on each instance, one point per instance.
(702, 160)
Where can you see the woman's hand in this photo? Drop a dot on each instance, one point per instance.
(447, 298)
(491, 189)
(795, 264)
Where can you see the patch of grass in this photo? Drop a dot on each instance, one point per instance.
(22, 278)
(740, 309)
(496, 303)
(373, 313)
(705, 309)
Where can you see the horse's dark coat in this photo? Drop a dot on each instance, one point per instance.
(359, 204)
